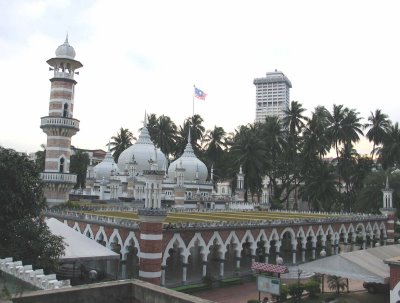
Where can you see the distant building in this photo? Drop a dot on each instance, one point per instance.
(272, 95)
(95, 155)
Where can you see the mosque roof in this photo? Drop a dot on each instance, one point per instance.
(142, 151)
(104, 168)
(65, 50)
(192, 165)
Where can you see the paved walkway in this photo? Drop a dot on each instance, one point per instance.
(243, 293)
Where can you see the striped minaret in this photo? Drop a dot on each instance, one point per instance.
(151, 219)
(389, 211)
(60, 125)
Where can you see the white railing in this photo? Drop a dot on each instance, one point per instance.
(59, 121)
(58, 177)
(36, 278)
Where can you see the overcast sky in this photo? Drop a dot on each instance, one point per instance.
(146, 55)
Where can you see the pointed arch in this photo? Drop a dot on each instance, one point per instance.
(131, 236)
(116, 235)
(88, 232)
(181, 245)
(76, 227)
(262, 236)
(197, 237)
(329, 231)
(101, 234)
(301, 233)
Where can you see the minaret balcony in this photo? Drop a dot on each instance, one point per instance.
(59, 125)
(56, 177)
(65, 75)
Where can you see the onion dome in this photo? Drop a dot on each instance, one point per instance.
(104, 168)
(65, 50)
(142, 151)
(194, 168)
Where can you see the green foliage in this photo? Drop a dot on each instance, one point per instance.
(192, 287)
(253, 301)
(337, 283)
(312, 287)
(296, 290)
(231, 281)
(78, 165)
(120, 142)
(23, 232)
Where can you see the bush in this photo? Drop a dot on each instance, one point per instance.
(313, 288)
(296, 290)
(253, 301)
(284, 293)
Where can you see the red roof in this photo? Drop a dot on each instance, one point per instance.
(265, 267)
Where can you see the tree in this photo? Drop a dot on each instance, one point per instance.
(165, 133)
(78, 166)
(248, 151)
(378, 126)
(120, 142)
(23, 233)
(215, 143)
(337, 283)
(316, 143)
(389, 154)
(41, 157)
(320, 187)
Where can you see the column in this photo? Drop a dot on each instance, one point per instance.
(313, 247)
(294, 250)
(221, 268)
(204, 268)
(184, 273)
(163, 275)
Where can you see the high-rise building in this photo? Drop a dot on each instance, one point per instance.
(272, 95)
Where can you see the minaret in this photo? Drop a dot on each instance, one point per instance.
(60, 125)
(240, 185)
(389, 211)
(151, 219)
(179, 189)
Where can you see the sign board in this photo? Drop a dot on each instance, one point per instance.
(270, 285)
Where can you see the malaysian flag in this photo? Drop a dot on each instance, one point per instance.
(199, 94)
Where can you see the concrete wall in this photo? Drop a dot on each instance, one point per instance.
(126, 291)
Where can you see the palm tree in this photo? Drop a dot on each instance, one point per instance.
(78, 165)
(378, 126)
(315, 140)
(215, 143)
(344, 128)
(294, 123)
(294, 119)
(165, 135)
(120, 142)
(337, 283)
(248, 151)
(196, 135)
(320, 186)
(151, 123)
(389, 154)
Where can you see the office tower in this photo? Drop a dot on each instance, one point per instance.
(272, 95)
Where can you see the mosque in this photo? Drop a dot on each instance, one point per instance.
(182, 184)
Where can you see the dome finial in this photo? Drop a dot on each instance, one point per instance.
(387, 182)
(66, 39)
(189, 137)
(108, 145)
(145, 119)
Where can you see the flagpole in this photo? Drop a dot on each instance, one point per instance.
(193, 100)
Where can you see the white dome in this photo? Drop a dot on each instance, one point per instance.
(65, 50)
(142, 151)
(191, 164)
(104, 168)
